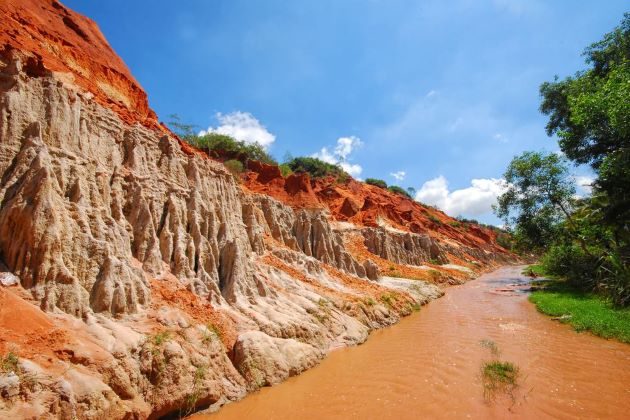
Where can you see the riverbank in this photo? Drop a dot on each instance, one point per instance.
(430, 364)
(582, 310)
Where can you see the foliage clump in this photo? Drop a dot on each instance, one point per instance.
(221, 145)
(235, 167)
(316, 168)
(285, 170)
(229, 147)
(376, 182)
(9, 363)
(498, 376)
(400, 191)
(584, 239)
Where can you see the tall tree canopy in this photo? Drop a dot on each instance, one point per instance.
(590, 114)
(585, 240)
(538, 197)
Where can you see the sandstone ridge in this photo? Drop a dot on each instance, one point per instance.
(151, 282)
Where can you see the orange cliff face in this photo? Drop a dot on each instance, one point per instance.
(51, 38)
(55, 39)
(366, 205)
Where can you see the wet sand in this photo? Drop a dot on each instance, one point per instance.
(428, 366)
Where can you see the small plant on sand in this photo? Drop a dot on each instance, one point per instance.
(251, 370)
(161, 338)
(156, 342)
(214, 330)
(321, 317)
(435, 275)
(324, 310)
(434, 219)
(499, 376)
(195, 393)
(369, 301)
(415, 307)
(388, 299)
(9, 363)
(490, 345)
(435, 261)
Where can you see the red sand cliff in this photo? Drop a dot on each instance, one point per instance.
(304, 302)
(57, 39)
(61, 40)
(365, 205)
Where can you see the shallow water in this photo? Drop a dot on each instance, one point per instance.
(428, 366)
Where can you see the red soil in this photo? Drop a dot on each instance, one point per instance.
(52, 38)
(169, 293)
(348, 302)
(43, 338)
(365, 205)
(57, 39)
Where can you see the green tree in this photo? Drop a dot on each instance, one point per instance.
(317, 168)
(399, 190)
(376, 182)
(590, 114)
(229, 147)
(538, 197)
(183, 130)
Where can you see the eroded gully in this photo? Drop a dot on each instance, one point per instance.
(428, 366)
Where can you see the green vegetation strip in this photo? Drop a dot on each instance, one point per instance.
(584, 311)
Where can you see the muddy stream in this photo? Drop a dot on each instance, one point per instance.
(429, 366)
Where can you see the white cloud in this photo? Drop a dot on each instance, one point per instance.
(430, 93)
(500, 137)
(345, 146)
(242, 126)
(353, 169)
(399, 175)
(585, 183)
(340, 155)
(474, 200)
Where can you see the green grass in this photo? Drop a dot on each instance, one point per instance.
(584, 311)
(500, 373)
(212, 332)
(9, 363)
(497, 376)
(535, 270)
(161, 338)
(389, 299)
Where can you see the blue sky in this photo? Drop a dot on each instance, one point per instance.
(446, 92)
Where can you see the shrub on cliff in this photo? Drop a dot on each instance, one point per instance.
(285, 170)
(316, 168)
(222, 145)
(229, 146)
(398, 190)
(234, 166)
(376, 182)
(462, 219)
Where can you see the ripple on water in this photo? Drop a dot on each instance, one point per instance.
(429, 366)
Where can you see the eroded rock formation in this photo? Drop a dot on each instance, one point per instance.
(151, 281)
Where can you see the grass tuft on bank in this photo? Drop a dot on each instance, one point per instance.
(583, 310)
